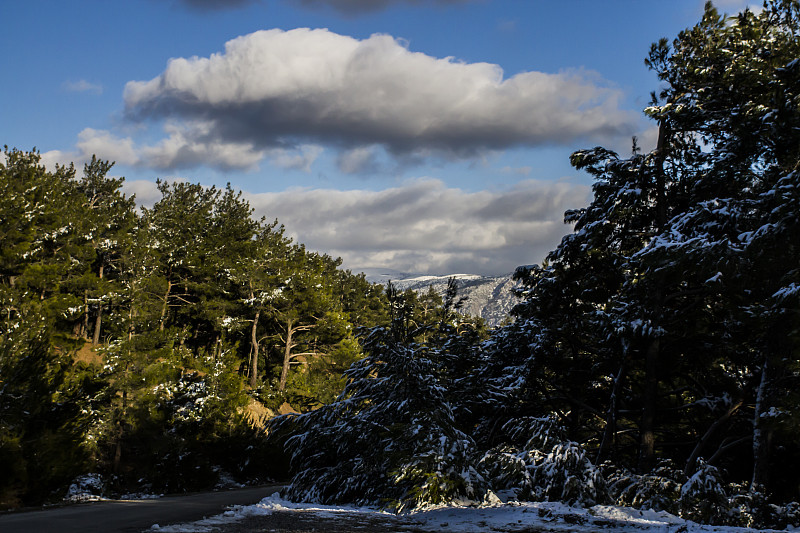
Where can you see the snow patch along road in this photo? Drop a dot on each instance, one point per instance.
(278, 515)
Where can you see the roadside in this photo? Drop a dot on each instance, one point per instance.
(299, 521)
(128, 516)
(275, 515)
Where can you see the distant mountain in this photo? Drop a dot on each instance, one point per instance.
(487, 297)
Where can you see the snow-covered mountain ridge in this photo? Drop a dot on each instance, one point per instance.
(489, 297)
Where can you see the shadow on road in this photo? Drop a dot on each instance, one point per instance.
(128, 516)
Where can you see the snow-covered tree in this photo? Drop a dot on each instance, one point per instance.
(107, 227)
(391, 438)
(703, 496)
(659, 489)
(732, 84)
(540, 464)
(675, 298)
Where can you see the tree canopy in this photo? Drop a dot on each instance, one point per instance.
(654, 357)
(146, 344)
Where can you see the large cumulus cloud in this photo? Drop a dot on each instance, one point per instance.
(425, 226)
(282, 88)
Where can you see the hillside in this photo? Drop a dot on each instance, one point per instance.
(489, 297)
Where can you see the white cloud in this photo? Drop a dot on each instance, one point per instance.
(188, 145)
(82, 86)
(106, 146)
(424, 226)
(91, 142)
(192, 145)
(146, 191)
(507, 26)
(300, 158)
(277, 88)
(56, 157)
(647, 139)
(523, 171)
(360, 160)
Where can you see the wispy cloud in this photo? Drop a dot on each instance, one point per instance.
(273, 88)
(82, 86)
(507, 26)
(300, 158)
(361, 160)
(522, 171)
(188, 145)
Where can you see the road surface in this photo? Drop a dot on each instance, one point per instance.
(130, 516)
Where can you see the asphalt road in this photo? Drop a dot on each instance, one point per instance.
(130, 516)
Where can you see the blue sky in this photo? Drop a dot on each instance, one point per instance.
(424, 136)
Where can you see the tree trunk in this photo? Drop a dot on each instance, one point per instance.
(121, 425)
(692, 461)
(661, 155)
(97, 322)
(118, 452)
(610, 431)
(287, 354)
(761, 436)
(254, 352)
(164, 307)
(85, 332)
(99, 318)
(646, 429)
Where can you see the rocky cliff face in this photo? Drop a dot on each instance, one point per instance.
(490, 298)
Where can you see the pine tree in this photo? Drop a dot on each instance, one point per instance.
(257, 276)
(107, 225)
(732, 85)
(391, 438)
(675, 297)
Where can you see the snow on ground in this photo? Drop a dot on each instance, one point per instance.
(85, 488)
(92, 488)
(498, 516)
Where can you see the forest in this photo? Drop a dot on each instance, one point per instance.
(148, 346)
(653, 359)
(654, 356)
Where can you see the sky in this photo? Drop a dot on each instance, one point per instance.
(425, 136)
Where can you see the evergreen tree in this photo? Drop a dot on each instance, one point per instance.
(107, 223)
(301, 304)
(391, 438)
(42, 418)
(42, 396)
(257, 275)
(177, 304)
(662, 333)
(740, 228)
